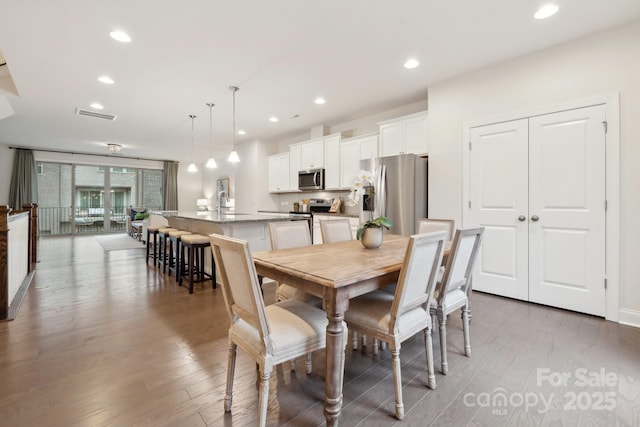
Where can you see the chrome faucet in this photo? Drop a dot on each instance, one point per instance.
(220, 200)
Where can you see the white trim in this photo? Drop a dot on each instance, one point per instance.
(612, 107)
(630, 317)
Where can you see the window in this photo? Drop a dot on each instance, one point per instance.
(40, 168)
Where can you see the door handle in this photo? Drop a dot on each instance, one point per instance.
(534, 218)
(522, 218)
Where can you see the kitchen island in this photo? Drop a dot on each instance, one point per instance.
(250, 227)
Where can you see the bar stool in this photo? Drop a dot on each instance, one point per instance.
(152, 230)
(175, 238)
(163, 237)
(196, 244)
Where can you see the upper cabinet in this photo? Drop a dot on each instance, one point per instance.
(407, 134)
(278, 166)
(312, 154)
(294, 166)
(332, 162)
(351, 152)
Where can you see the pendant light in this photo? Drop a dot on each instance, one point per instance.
(233, 157)
(211, 163)
(192, 166)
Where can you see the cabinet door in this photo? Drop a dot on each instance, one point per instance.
(369, 147)
(391, 139)
(415, 135)
(349, 162)
(317, 234)
(294, 166)
(332, 162)
(312, 154)
(278, 173)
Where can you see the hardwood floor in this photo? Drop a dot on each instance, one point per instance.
(103, 339)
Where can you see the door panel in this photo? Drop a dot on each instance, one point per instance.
(567, 194)
(498, 195)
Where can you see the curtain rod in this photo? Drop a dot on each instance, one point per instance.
(89, 154)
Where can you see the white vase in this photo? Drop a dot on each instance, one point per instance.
(371, 237)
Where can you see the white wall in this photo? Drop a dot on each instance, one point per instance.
(6, 167)
(601, 64)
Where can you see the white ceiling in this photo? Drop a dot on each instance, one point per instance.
(282, 54)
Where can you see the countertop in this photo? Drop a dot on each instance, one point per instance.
(315, 213)
(228, 217)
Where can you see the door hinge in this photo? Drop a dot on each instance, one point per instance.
(469, 204)
(606, 126)
(469, 145)
(606, 205)
(605, 283)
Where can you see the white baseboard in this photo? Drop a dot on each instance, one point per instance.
(629, 317)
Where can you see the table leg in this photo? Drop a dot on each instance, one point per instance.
(336, 341)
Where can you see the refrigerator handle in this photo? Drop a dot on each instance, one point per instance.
(381, 189)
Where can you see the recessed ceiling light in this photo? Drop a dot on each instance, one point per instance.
(106, 80)
(97, 106)
(273, 119)
(411, 63)
(319, 100)
(546, 11)
(242, 132)
(120, 36)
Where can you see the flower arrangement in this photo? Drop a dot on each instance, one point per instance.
(380, 222)
(357, 186)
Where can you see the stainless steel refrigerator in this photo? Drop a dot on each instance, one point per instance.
(398, 191)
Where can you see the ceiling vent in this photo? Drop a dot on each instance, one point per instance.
(88, 113)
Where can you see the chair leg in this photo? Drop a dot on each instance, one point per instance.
(397, 380)
(465, 330)
(231, 367)
(309, 364)
(428, 346)
(264, 396)
(354, 340)
(375, 346)
(444, 367)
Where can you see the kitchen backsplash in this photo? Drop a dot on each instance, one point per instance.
(285, 201)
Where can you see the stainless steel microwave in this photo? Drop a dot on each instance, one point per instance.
(311, 179)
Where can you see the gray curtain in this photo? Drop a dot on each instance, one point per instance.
(24, 179)
(170, 186)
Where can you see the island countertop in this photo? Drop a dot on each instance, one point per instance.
(227, 217)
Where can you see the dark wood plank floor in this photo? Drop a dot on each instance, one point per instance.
(104, 340)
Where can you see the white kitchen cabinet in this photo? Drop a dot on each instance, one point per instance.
(332, 162)
(294, 166)
(278, 166)
(312, 154)
(351, 152)
(407, 134)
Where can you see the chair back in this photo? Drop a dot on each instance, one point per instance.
(335, 230)
(429, 225)
(240, 287)
(289, 234)
(419, 273)
(464, 251)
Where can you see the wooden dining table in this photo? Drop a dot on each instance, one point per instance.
(335, 272)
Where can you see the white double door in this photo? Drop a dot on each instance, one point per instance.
(537, 185)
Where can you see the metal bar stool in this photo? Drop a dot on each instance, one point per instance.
(175, 238)
(195, 245)
(152, 231)
(163, 237)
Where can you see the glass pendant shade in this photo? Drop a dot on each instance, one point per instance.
(211, 163)
(233, 157)
(192, 168)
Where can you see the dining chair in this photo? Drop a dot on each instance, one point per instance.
(285, 235)
(335, 230)
(429, 225)
(452, 290)
(270, 334)
(396, 318)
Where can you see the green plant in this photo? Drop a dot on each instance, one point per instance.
(141, 215)
(381, 221)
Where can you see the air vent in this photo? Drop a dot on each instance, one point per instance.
(81, 112)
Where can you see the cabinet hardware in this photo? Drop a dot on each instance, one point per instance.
(535, 218)
(522, 218)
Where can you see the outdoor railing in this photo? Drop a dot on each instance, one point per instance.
(54, 221)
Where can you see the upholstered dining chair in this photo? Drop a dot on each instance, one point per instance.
(285, 235)
(429, 225)
(452, 291)
(396, 318)
(335, 230)
(270, 334)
